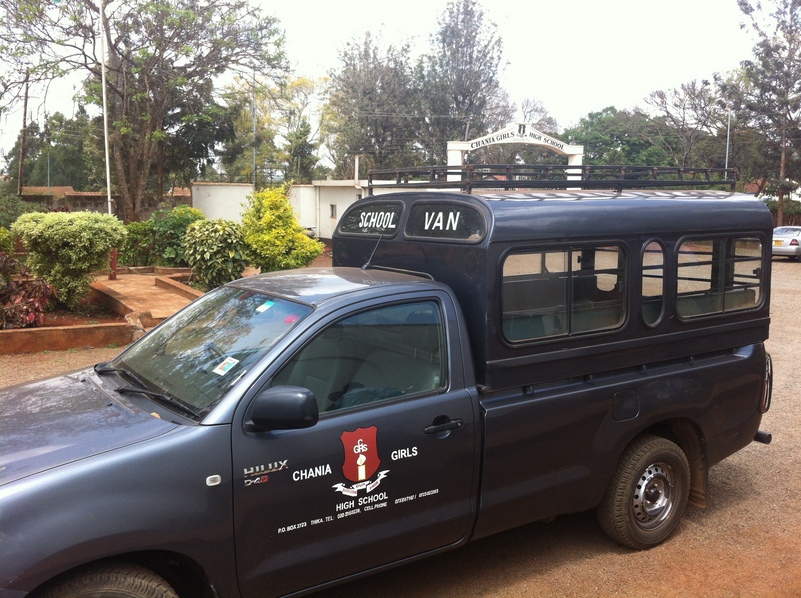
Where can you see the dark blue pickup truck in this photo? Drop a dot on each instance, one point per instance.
(470, 363)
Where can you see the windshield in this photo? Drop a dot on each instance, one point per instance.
(201, 352)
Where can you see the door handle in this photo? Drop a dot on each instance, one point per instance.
(451, 424)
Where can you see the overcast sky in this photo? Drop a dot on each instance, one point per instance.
(574, 56)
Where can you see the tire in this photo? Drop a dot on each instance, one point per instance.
(648, 493)
(112, 580)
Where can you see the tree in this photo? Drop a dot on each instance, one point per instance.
(300, 150)
(33, 148)
(770, 97)
(59, 154)
(194, 134)
(687, 117)
(285, 143)
(461, 79)
(254, 135)
(162, 54)
(299, 123)
(372, 108)
(613, 136)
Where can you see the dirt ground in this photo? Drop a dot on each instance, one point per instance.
(746, 543)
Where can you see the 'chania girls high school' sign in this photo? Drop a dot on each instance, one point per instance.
(515, 133)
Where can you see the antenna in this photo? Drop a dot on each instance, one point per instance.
(369, 263)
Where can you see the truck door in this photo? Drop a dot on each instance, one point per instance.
(388, 471)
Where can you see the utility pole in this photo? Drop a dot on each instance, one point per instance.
(24, 140)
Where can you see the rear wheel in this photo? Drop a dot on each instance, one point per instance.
(648, 493)
(112, 580)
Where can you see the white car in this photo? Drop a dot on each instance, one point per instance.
(787, 241)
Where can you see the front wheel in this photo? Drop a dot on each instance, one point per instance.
(647, 495)
(112, 580)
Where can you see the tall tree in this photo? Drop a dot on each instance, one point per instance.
(771, 94)
(161, 54)
(613, 136)
(460, 78)
(748, 147)
(60, 153)
(33, 142)
(372, 108)
(685, 118)
(299, 123)
(252, 152)
(194, 134)
(301, 154)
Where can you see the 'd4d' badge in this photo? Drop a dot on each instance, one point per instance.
(361, 461)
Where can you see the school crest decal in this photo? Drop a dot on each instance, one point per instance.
(361, 461)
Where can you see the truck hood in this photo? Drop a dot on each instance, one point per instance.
(59, 420)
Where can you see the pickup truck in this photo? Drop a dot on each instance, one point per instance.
(469, 364)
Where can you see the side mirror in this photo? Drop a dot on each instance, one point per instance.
(284, 408)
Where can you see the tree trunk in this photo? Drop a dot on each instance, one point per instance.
(160, 172)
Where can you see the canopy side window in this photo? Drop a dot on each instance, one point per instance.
(653, 283)
(718, 275)
(563, 292)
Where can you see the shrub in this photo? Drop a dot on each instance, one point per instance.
(6, 240)
(23, 300)
(12, 207)
(216, 251)
(275, 239)
(139, 248)
(64, 248)
(170, 227)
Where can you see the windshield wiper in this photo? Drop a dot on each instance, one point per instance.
(159, 397)
(107, 368)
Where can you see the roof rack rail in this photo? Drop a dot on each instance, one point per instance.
(554, 176)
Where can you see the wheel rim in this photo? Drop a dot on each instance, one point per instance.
(653, 498)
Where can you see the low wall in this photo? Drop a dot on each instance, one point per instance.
(59, 338)
(175, 284)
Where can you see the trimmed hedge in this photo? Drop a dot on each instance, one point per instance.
(65, 247)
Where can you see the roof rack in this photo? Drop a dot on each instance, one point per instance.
(539, 176)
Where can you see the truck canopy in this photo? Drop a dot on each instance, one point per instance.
(517, 260)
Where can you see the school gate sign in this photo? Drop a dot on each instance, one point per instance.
(515, 133)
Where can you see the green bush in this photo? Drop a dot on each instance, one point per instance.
(140, 244)
(12, 207)
(170, 227)
(216, 251)
(275, 239)
(6, 240)
(64, 248)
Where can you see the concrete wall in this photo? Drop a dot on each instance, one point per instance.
(221, 200)
(321, 204)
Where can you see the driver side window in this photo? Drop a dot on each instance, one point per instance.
(375, 355)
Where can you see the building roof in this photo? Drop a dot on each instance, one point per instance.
(56, 192)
